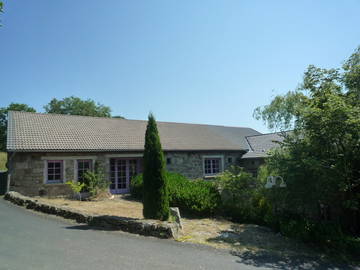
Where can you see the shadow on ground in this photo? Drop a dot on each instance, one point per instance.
(255, 237)
(277, 261)
(264, 248)
(85, 227)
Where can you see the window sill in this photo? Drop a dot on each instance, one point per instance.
(211, 176)
(55, 183)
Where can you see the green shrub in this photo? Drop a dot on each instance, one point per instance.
(241, 195)
(3, 160)
(155, 193)
(95, 181)
(197, 197)
(76, 187)
(326, 235)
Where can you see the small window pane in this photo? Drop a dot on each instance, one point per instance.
(54, 171)
(212, 166)
(82, 167)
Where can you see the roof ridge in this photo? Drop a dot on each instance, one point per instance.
(125, 119)
(264, 134)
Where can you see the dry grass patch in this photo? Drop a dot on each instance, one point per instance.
(219, 233)
(119, 206)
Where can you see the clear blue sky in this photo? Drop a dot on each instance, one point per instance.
(198, 61)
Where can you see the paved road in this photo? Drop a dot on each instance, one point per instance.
(30, 240)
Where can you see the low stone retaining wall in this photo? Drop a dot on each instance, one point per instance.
(139, 226)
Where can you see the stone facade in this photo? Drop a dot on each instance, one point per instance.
(252, 165)
(28, 170)
(191, 164)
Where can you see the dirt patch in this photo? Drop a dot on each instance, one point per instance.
(219, 233)
(120, 205)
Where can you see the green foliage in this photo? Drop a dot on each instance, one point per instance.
(197, 197)
(3, 160)
(327, 235)
(76, 187)
(155, 193)
(351, 77)
(3, 120)
(95, 181)
(319, 160)
(241, 194)
(76, 106)
(193, 196)
(1, 9)
(283, 111)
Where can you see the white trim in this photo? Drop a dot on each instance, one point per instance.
(221, 157)
(66, 157)
(124, 155)
(76, 166)
(46, 169)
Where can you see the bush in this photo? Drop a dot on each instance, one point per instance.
(191, 196)
(294, 217)
(241, 195)
(327, 235)
(76, 187)
(96, 182)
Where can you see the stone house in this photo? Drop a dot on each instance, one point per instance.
(46, 150)
(259, 146)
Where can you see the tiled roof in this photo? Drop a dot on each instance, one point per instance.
(55, 132)
(261, 144)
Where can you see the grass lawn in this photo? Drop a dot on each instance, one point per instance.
(3, 159)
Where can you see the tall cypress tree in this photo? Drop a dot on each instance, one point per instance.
(156, 196)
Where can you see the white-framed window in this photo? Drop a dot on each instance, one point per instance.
(54, 171)
(82, 166)
(213, 165)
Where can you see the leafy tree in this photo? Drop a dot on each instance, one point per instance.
(3, 120)
(320, 160)
(76, 106)
(1, 8)
(155, 193)
(283, 111)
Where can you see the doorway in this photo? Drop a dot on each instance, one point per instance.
(122, 170)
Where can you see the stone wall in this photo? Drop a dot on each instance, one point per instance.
(252, 165)
(27, 170)
(190, 164)
(161, 229)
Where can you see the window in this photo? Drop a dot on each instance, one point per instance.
(230, 160)
(83, 165)
(168, 161)
(54, 171)
(212, 166)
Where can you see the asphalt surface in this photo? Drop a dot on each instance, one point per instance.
(30, 240)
